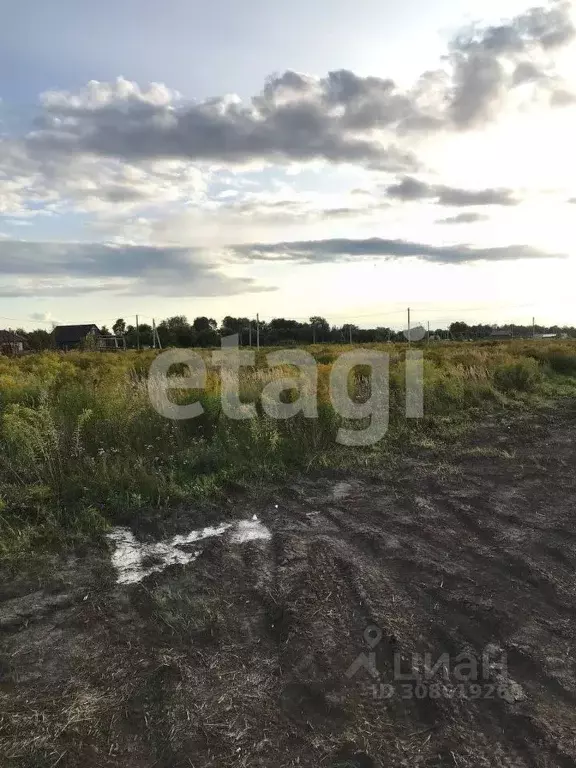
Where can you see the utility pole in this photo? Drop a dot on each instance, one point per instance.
(257, 331)
(137, 333)
(428, 334)
(409, 334)
(153, 333)
(533, 329)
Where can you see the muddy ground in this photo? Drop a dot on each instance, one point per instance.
(243, 657)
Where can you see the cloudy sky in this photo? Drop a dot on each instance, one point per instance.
(334, 158)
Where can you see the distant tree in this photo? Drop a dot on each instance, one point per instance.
(208, 337)
(204, 324)
(104, 331)
(176, 332)
(320, 328)
(145, 335)
(232, 325)
(119, 327)
(39, 340)
(282, 330)
(89, 343)
(383, 334)
(347, 330)
(459, 329)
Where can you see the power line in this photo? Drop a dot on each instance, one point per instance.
(25, 320)
(338, 317)
(447, 314)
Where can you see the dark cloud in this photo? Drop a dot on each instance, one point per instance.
(294, 118)
(409, 189)
(318, 251)
(58, 290)
(463, 218)
(479, 80)
(32, 269)
(282, 211)
(482, 60)
(562, 98)
(340, 118)
(551, 27)
(527, 72)
(463, 197)
(341, 213)
(37, 268)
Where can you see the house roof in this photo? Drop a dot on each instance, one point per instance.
(67, 334)
(9, 337)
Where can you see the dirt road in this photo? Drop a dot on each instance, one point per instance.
(296, 650)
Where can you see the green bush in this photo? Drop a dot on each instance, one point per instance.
(522, 375)
(326, 358)
(561, 361)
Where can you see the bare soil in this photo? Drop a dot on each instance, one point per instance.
(242, 658)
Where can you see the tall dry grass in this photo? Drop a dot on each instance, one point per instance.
(80, 443)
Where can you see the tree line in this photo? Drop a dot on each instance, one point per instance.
(178, 331)
(205, 332)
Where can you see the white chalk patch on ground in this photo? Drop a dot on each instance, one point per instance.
(341, 490)
(202, 533)
(134, 560)
(249, 530)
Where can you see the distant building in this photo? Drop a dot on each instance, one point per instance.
(545, 335)
(502, 333)
(561, 335)
(68, 337)
(73, 336)
(11, 343)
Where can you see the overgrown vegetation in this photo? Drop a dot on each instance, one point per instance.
(81, 445)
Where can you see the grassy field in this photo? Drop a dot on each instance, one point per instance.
(454, 534)
(82, 448)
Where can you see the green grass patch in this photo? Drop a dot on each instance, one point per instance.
(81, 446)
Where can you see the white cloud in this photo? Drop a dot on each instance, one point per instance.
(345, 249)
(46, 318)
(38, 269)
(339, 118)
(164, 180)
(118, 149)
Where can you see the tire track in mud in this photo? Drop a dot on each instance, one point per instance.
(439, 563)
(469, 620)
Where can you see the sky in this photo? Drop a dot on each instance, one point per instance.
(331, 158)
